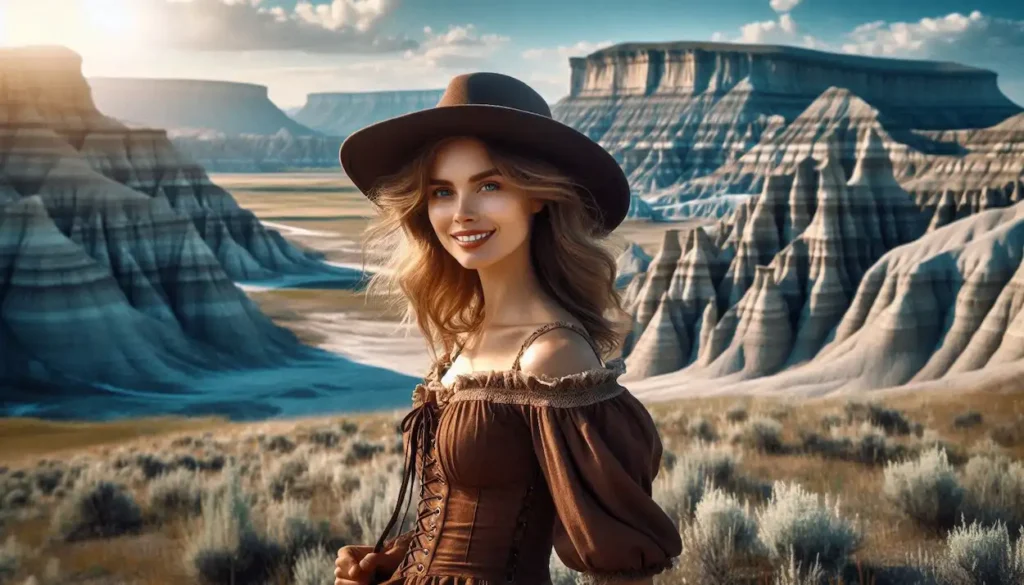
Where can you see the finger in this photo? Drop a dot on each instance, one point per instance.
(369, 561)
(347, 582)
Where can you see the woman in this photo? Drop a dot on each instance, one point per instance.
(521, 437)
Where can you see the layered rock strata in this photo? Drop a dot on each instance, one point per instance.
(944, 311)
(117, 262)
(767, 294)
(340, 114)
(699, 126)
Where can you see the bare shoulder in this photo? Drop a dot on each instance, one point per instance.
(559, 352)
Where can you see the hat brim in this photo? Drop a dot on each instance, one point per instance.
(383, 148)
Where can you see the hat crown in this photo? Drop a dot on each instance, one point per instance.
(493, 89)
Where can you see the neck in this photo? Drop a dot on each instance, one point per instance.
(512, 292)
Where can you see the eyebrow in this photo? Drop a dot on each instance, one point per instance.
(475, 177)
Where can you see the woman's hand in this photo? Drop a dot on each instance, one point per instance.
(357, 564)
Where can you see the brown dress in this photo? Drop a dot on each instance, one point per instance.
(511, 464)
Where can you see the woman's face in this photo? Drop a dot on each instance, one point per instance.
(478, 216)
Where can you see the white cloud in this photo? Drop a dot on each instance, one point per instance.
(459, 46)
(563, 52)
(334, 26)
(781, 31)
(783, 5)
(950, 34)
(341, 14)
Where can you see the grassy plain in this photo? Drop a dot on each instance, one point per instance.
(319, 470)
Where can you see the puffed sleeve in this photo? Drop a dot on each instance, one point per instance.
(599, 452)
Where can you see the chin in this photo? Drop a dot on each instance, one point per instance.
(474, 260)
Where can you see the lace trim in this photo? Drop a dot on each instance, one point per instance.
(613, 577)
(519, 380)
(563, 399)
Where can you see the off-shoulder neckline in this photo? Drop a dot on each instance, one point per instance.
(519, 380)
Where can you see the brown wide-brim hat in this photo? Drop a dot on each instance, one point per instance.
(497, 109)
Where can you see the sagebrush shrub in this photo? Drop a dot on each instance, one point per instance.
(225, 547)
(314, 567)
(358, 451)
(737, 413)
(795, 573)
(994, 491)
(292, 528)
(976, 555)
(811, 527)
(893, 421)
(926, 489)
(721, 529)
(679, 489)
(967, 419)
(760, 433)
(96, 508)
(284, 474)
(10, 558)
(366, 511)
(701, 428)
(175, 494)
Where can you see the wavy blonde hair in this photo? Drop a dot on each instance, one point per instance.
(445, 299)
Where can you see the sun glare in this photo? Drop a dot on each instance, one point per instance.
(86, 26)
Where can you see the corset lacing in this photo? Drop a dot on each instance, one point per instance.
(421, 425)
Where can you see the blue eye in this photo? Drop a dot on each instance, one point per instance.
(440, 192)
(486, 185)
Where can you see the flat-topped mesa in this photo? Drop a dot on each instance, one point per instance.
(223, 107)
(696, 125)
(51, 75)
(340, 114)
(681, 68)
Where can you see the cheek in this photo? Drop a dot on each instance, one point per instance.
(510, 212)
(439, 217)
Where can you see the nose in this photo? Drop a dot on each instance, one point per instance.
(465, 210)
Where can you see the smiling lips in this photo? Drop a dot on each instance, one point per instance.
(469, 239)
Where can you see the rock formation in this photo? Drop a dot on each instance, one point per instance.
(943, 308)
(117, 263)
(631, 262)
(698, 127)
(255, 153)
(768, 295)
(340, 114)
(223, 126)
(191, 104)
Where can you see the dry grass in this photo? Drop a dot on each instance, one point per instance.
(31, 437)
(155, 554)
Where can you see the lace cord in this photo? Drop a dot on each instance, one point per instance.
(413, 424)
(424, 511)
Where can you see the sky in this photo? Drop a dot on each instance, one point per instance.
(297, 47)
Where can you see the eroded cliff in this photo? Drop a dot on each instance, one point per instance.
(695, 125)
(117, 268)
(828, 281)
(341, 114)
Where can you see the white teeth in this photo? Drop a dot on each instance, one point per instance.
(473, 238)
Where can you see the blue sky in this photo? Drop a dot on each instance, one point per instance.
(296, 47)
